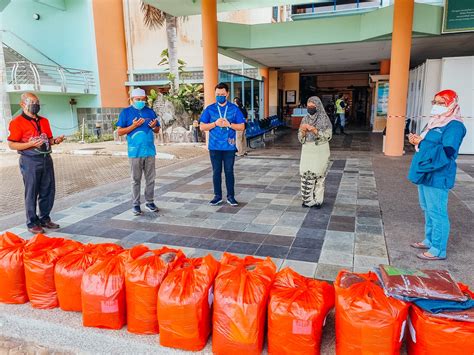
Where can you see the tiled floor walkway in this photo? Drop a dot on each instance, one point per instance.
(346, 232)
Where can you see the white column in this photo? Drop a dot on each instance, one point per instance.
(5, 111)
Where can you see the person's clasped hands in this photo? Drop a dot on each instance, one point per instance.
(414, 139)
(222, 122)
(309, 128)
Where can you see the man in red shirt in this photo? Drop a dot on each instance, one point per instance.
(31, 136)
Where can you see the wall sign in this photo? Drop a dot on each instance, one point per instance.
(458, 16)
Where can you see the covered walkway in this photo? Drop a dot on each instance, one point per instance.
(370, 216)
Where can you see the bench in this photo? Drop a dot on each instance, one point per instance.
(257, 129)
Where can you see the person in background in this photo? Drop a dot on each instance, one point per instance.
(433, 169)
(314, 134)
(31, 136)
(195, 128)
(139, 123)
(222, 119)
(340, 114)
(241, 139)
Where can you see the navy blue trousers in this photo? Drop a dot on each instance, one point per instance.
(40, 187)
(224, 158)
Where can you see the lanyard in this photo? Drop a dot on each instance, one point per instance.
(225, 112)
(37, 125)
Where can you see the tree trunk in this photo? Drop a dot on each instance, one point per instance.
(172, 39)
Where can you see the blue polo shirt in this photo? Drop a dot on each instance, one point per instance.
(141, 140)
(442, 175)
(222, 138)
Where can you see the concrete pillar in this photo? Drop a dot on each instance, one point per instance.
(399, 71)
(266, 91)
(5, 111)
(385, 67)
(209, 49)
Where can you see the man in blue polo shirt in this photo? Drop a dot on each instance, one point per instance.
(222, 119)
(139, 122)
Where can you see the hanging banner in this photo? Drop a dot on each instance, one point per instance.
(458, 16)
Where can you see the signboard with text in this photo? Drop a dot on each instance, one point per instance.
(458, 16)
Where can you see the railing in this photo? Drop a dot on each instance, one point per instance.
(42, 77)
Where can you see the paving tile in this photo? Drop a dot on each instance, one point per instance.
(342, 227)
(224, 235)
(304, 254)
(268, 220)
(288, 231)
(335, 257)
(213, 244)
(304, 268)
(250, 237)
(115, 233)
(368, 261)
(309, 243)
(329, 272)
(311, 233)
(369, 221)
(272, 251)
(242, 248)
(370, 238)
(369, 229)
(136, 238)
(278, 240)
(235, 226)
(259, 228)
(369, 249)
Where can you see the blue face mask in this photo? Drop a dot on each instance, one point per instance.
(221, 99)
(139, 104)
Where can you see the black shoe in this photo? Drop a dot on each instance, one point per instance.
(50, 225)
(217, 200)
(231, 201)
(152, 207)
(136, 210)
(318, 206)
(303, 205)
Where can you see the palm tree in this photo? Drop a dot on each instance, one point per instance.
(155, 18)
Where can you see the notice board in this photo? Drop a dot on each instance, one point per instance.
(458, 16)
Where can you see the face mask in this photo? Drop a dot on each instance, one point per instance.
(221, 99)
(439, 110)
(33, 108)
(312, 110)
(139, 104)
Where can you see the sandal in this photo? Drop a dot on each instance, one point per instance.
(430, 257)
(419, 245)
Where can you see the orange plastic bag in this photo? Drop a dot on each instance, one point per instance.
(40, 257)
(70, 268)
(240, 304)
(297, 310)
(103, 291)
(438, 336)
(367, 321)
(143, 277)
(12, 270)
(184, 303)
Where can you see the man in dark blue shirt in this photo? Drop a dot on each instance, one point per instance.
(222, 119)
(139, 122)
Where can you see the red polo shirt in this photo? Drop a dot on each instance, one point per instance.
(24, 128)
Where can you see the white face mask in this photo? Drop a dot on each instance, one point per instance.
(439, 110)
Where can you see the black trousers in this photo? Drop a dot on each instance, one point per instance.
(40, 187)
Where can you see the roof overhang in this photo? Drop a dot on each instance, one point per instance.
(193, 7)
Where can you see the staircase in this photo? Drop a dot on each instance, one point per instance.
(25, 75)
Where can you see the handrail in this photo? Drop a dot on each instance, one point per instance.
(38, 75)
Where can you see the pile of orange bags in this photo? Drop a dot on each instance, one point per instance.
(430, 334)
(144, 274)
(12, 271)
(184, 303)
(69, 270)
(103, 290)
(297, 309)
(240, 304)
(367, 321)
(40, 257)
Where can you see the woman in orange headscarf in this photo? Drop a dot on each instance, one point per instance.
(433, 169)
